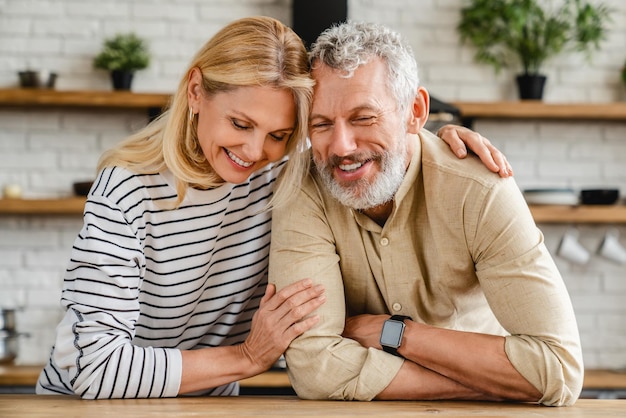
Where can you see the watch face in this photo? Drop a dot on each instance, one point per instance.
(392, 333)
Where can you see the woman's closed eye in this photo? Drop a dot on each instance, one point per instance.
(279, 136)
(240, 124)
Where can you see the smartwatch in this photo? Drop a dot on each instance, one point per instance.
(391, 336)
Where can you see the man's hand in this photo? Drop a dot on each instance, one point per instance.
(460, 138)
(365, 329)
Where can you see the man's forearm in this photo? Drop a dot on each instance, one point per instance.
(414, 382)
(476, 361)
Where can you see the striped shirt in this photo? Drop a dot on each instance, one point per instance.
(145, 282)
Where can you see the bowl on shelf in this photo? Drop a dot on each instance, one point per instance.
(81, 188)
(564, 196)
(40, 79)
(599, 196)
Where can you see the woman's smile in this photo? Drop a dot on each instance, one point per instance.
(234, 158)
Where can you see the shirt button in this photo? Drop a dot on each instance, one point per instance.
(384, 242)
(396, 307)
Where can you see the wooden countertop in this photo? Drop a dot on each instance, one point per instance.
(286, 406)
(14, 375)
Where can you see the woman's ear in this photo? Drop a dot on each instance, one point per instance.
(194, 88)
(419, 111)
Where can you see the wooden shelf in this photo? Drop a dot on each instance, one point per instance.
(63, 206)
(601, 214)
(532, 109)
(93, 98)
(542, 213)
(524, 109)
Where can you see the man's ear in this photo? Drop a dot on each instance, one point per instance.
(418, 114)
(194, 88)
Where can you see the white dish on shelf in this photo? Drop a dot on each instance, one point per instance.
(551, 197)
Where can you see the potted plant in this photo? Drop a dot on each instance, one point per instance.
(525, 33)
(122, 55)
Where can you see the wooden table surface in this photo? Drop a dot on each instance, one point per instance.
(15, 375)
(284, 406)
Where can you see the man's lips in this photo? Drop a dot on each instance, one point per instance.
(352, 171)
(350, 167)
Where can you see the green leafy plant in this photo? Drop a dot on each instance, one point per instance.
(508, 33)
(624, 74)
(123, 52)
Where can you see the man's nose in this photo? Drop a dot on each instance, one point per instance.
(342, 141)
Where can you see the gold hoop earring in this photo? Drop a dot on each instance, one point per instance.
(191, 115)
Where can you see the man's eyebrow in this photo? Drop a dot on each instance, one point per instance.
(352, 111)
(317, 116)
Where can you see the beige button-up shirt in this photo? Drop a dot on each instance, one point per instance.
(459, 251)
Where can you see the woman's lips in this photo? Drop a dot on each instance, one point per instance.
(238, 161)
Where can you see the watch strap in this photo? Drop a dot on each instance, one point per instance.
(390, 349)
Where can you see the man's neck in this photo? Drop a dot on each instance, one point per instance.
(379, 214)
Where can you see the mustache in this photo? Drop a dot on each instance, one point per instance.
(335, 161)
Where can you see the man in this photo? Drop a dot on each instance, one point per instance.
(391, 223)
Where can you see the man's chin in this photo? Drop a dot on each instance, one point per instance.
(347, 197)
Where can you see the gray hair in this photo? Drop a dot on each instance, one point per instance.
(349, 45)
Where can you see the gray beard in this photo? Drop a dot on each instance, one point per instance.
(361, 195)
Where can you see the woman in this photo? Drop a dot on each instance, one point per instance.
(166, 290)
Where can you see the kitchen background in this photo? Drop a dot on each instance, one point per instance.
(45, 150)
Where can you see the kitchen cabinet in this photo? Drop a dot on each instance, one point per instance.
(154, 103)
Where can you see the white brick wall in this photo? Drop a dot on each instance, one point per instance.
(45, 150)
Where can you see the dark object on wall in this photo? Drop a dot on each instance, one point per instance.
(8, 346)
(8, 336)
(599, 196)
(7, 319)
(530, 86)
(310, 18)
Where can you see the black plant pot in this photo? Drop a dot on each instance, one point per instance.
(530, 86)
(122, 80)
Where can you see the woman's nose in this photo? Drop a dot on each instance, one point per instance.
(253, 150)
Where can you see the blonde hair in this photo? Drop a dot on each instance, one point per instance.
(254, 51)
